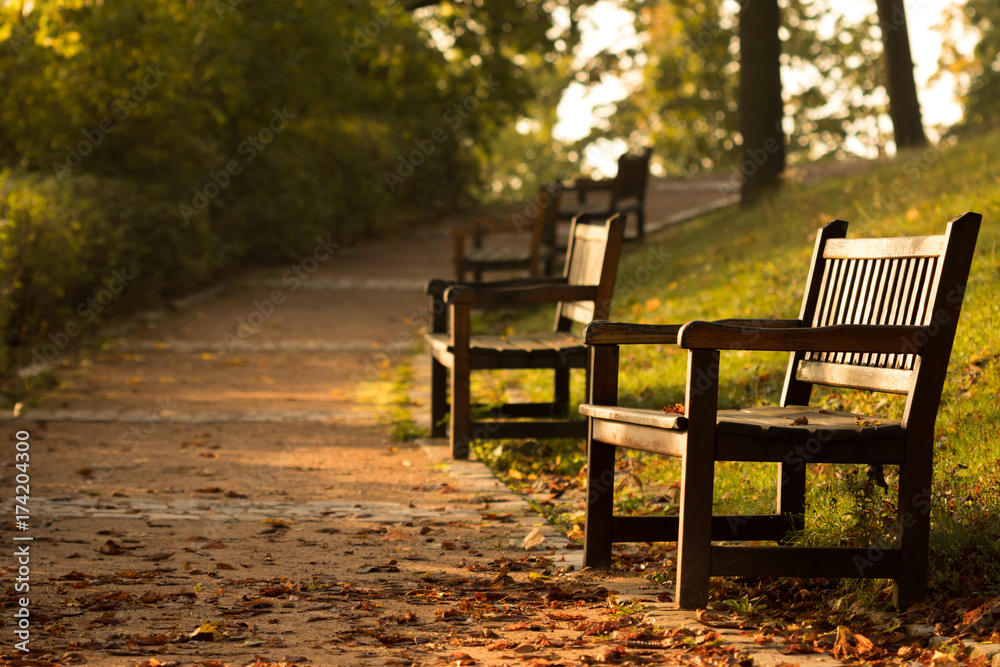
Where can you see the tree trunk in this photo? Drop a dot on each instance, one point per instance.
(904, 107)
(761, 107)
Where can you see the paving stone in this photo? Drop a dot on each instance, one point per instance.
(113, 514)
(920, 630)
(984, 650)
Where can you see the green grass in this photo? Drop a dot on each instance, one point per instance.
(751, 262)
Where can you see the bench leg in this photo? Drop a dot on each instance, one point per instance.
(694, 539)
(600, 504)
(460, 409)
(560, 402)
(913, 519)
(602, 389)
(439, 397)
(791, 502)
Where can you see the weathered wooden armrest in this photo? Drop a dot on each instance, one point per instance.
(601, 332)
(516, 296)
(438, 286)
(877, 339)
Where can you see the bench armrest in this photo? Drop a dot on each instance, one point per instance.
(550, 292)
(601, 332)
(624, 333)
(877, 339)
(438, 286)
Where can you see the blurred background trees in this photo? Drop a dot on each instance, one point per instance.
(185, 137)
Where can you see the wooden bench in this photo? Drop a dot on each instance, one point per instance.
(582, 294)
(538, 224)
(877, 315)
(623, 194)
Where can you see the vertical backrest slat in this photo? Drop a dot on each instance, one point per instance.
(877, 302)
(862, 308)
(889, 304)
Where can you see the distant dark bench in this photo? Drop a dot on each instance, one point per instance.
(623, 194)
(582, 293)
(537, 224)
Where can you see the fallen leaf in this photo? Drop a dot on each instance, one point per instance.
(397, 535)
(533, 538)
(675, 409)
(563, 616)
(941, 658)
(801, 421)
(159, 557)
(112, 548)
(207, 632)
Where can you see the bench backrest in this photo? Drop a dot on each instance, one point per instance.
(544, 227)
(916, 281)
(591, 259)
(630, 181)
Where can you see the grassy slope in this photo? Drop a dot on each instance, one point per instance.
(751, 262)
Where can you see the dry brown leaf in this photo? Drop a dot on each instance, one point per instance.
(675, 409)
(564, 616)
(801, 421)
(397, 535)
(112, 548)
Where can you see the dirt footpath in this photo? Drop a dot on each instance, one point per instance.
(216, 485)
